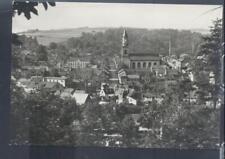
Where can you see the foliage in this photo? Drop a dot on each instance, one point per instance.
(42, 113)
(108, 43)
(29, 7)
(42, 53)
(210, 53)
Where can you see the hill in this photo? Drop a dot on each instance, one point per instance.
(45, 37)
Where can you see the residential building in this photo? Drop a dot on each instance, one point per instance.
(60, 80)
(74, 63)
(67, 93)
(81, 97)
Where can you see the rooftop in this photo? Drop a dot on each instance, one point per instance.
(80, 97)
(59, 78)
(133, 76)
(144, 57)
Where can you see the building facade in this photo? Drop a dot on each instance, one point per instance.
(77, 63)
(137, 61)
(60, 80)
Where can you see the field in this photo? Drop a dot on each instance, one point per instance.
(45, 37)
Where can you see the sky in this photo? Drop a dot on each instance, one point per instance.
(150, 16)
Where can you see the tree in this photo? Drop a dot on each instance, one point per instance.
(211, 52)
(19, 124)
(129, 131)
(42, 53)
(29, 7)
(43, 113)
(53, 45)
(198, 128)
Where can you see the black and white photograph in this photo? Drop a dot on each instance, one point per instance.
(117, 75)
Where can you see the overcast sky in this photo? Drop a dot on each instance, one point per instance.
(73, 15)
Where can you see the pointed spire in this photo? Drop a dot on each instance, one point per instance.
(169, 47)
(125, 39)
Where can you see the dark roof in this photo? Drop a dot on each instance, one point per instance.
(143, 54)
(50, 85)
(144, 57)
(84, 59)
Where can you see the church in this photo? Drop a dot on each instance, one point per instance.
(138, 61)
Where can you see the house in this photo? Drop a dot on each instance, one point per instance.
(41, 68)
(102, 93)
(132, 100)
(173, 63)
(133, 77)
(74, 63)
(106, 91)
(31, 87)
(136, 118)
(212, 78)
(160, 71)
(170, 83)
(53, 87)
(28, 85)
(22, 82)
(81, 97)
(60, 80)
(131, 97)
(103, 102)
(67, 93)
(36, 79)
(191, 97)
(149, 97)
(119, 94)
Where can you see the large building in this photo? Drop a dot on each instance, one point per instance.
(138, 61)
(74, 63)
(60, 80)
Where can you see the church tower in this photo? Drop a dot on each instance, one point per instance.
(124, 52)
(125, 43)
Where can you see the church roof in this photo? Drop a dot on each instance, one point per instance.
(144, 57)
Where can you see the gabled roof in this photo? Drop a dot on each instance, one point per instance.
(80, 98)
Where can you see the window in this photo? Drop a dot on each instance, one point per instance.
(149, 64)
(144, 64)
(133, 65)
(155, 63)
(139, 65)
(125, 52)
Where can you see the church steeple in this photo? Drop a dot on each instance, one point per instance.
(124, 43)
(125, 39)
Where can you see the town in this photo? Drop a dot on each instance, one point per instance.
(144, 93)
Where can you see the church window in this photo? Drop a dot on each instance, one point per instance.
(149, 64)
(144, 64)
(125, 52)
(139, 65)
(133, 65)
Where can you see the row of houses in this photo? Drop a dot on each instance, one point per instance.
(56, 85)
(122, 94)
